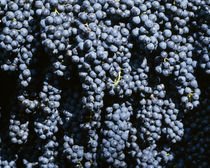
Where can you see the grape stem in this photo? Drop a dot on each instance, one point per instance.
(119, 77)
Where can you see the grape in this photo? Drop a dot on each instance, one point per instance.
(104, 83)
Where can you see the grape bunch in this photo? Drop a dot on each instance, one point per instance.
(104, 83)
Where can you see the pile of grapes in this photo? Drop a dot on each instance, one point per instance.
(104, 83)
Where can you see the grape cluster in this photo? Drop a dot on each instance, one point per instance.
(115, 134)
(104, 83)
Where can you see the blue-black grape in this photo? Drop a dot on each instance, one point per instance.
(104, 83)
